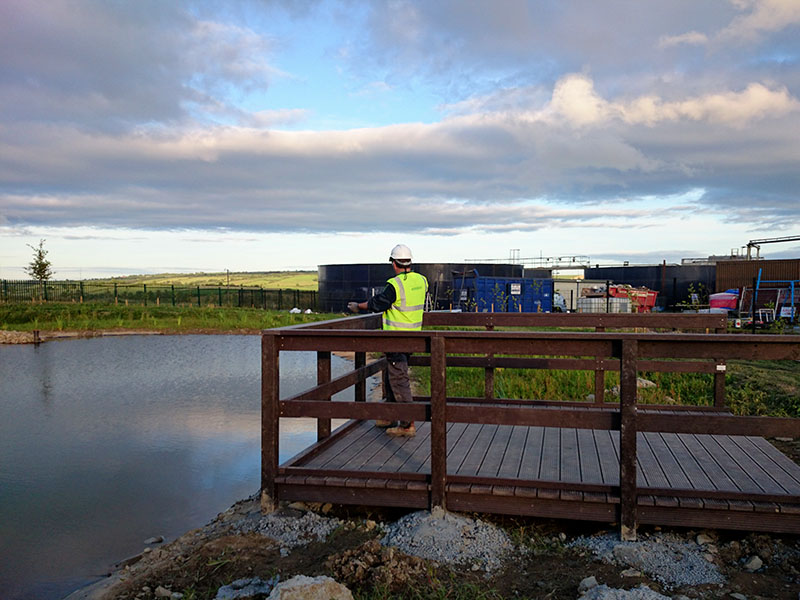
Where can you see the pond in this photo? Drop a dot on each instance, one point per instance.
(106, 442)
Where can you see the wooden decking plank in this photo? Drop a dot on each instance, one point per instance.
(714, 472)
(513, 458)
(396, 462)
(570, 463)
(474, 458)
(651, 469)
(761, 476)
(781, 467)
(717, 446)
(570, 459)
(340, 453)
(675, 475)
(608, 456)
(532, 454)
(496, 452)
(590, 461)
(550, 469)
(460, 448)
(697, 477)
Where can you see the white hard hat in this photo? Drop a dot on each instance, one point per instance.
(401, 253)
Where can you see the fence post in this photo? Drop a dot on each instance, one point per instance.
(144, 288)
(627, 440)
(219, 295)
(198, 295)
(116, 297)
(81, 292)
(280, 299)
(270, 394)
(323, 376)
(438, 422)
(173, 294)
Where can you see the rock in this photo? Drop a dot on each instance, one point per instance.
(631, 573)
(326, 508)
(754, 563)
(299, 506)
(369, 524)
(784, 439)
(241, 589)
(738, 596)
(703, 539)
(587, 583)
(644, 383)
(562, 537)
(162, 592)
(590, 397)
(157, 539)
(301, 587)
(176, 596)
(708, 556)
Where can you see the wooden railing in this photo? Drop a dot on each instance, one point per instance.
(626, 351)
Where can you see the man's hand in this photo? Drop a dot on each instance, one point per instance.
(352, 307)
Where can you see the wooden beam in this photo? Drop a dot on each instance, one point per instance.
(270, 393)
(438, 422)
(627, 441)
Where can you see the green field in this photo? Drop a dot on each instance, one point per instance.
(90, 317)
(286, 280)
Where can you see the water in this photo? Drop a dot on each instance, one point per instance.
(106, 442)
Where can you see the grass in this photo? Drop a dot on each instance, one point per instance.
(763, 388)
(171, 319)
(296, 280)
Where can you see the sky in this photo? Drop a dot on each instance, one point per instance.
(151, 136)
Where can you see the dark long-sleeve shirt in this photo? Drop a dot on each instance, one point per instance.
(383, 300)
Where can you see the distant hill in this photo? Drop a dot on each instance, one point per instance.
(295, 280)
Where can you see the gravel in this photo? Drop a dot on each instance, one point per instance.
(603, 592)
(449, 538)
(666, 558)
(290, 530)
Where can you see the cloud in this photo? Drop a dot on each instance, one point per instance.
(158, 116)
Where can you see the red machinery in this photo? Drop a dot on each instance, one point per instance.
(642, 299)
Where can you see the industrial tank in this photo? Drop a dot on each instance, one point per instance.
(343, 283)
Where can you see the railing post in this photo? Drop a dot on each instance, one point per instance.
(719, 383)
(323, 376)
(270, 396)
(488, 374)
(361, 387)
(599, 378)
(438, 422)
(627, 440)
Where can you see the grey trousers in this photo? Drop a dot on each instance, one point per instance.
(396, 382)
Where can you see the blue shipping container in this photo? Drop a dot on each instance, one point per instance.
(475, 293)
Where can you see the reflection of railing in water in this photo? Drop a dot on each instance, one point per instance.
(601, 350)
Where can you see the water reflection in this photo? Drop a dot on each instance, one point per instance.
(105, 442)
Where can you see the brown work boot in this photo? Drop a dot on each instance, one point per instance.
(401, 431)
(385, 424)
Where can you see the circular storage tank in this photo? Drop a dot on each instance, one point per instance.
(340, 284)
(601, 305)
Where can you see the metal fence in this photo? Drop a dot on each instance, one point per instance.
(154, 295)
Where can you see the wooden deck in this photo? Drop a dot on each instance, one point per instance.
(621, 462)
(683, 479)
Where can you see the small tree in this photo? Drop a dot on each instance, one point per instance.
(39, 268)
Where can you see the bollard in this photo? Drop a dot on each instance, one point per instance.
(36, 339)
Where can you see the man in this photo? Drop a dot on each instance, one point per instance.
(402, 302)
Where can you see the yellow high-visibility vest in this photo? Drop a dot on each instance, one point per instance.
(405, 314)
